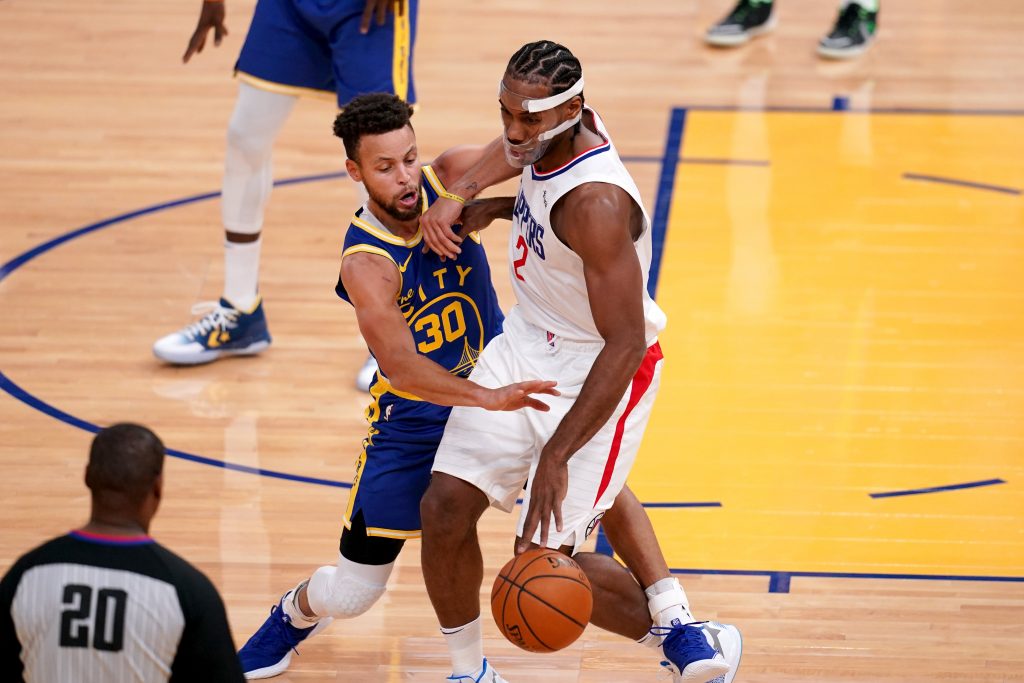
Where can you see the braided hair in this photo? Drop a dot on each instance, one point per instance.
(545, 61)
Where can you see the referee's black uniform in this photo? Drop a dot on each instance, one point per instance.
(84, 608)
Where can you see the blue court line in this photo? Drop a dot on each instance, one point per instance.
(857, 110)
(42, 406)
(15, 391)
(683, 505)
(778, 581)
(697, 161)
(663, 201)
(20, 260)
(938, 489)
(961, 183)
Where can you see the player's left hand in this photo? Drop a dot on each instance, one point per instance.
(379, 8)
(547, 491)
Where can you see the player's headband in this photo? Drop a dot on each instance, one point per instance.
(533, 105)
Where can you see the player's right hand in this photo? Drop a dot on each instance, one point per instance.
(520, 395)
(379, 9)
(211, 16)
(436, 225)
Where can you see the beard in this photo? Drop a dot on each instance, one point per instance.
(392, 209)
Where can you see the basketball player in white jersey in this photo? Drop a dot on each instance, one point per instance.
(106, 602)
(580, 252)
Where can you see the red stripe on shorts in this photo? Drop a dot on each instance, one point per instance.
(641, 383)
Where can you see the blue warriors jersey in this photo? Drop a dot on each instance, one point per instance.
(452, 312)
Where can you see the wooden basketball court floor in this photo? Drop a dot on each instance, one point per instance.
(835, 460)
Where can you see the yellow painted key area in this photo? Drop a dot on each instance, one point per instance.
(837, 329)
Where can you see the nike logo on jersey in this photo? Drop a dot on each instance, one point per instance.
(401, 268)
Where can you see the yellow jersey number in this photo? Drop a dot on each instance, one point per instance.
(447, 326)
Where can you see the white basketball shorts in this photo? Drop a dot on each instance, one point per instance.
(498, 451)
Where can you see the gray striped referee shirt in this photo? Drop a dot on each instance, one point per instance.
(94, 609)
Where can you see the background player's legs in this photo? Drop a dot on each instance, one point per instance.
(453, 567)
(248, 179)
(343, 591)
(853, 31)
(236, 324)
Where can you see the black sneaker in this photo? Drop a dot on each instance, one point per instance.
(748, 19)
(854, 30)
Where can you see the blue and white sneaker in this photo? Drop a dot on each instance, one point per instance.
(269, 651)
(487, 675)
(223, 331)
(701, 652)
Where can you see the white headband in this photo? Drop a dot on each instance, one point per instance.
(534, 106)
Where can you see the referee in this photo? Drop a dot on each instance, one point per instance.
(106, 602)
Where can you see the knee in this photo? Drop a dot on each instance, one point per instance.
(450, 506)
(334, 593)
(247, 143)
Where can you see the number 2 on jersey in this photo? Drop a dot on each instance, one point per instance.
(521, 261)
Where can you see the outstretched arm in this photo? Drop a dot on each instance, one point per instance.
(372, 282)
(465, 172)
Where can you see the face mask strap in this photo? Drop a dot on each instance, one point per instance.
(564, 126)
(535, 106)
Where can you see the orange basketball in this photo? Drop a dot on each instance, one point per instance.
(541, 600)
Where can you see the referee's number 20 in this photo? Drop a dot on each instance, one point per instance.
(100, 621)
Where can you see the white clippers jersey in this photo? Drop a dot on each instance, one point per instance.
(547, 276)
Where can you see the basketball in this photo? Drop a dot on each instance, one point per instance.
(541, 600)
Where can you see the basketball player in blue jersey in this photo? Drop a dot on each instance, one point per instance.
(338, 49)
(579, 258)
(426, 321)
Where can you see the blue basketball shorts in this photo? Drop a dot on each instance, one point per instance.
(314, 47)
(393, 471)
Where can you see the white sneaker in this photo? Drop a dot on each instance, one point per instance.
(487, 675)
(702, 652)
(366, 374)
(224, 331)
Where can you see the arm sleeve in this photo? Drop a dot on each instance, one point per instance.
(10, 648)
(206, 651)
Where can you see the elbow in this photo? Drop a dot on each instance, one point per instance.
(637, 352)
(631, 351)
(400, 380)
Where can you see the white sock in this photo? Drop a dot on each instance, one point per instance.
(869, 5)
(242, 273)
(667, 602)
(290, 606)
(466, 647)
